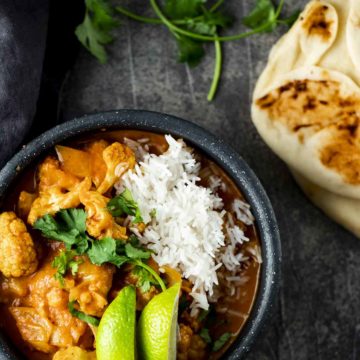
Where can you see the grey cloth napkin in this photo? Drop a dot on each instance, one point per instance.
(23, 29)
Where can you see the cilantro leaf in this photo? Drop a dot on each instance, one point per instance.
(263, 12)
(145, 279)
(205, 335)
(125, 204)
(208, 23)
(178, 9)
(73, 219)
(134, 240)
(68, 226)
(221, 341)
(82, 316)
(102, 14)
(189, 51)
(59, 278)
(136, 253)
(115, 252)
(73, 265)
(104, 250)
(63, 262)
(94, 31)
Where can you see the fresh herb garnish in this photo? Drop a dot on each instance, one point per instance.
(133, 252)
(125, 204)
(145, 279)
(63, 262)
(133, 240)
(115, 252)
(180, 9)
(107, 250)
(95, 30)
(205, 335)
(262, 14)
(68, 226)
(82, 316)
(221, 341)
(191, 22)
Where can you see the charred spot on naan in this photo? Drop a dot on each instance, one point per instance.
(317, 23)
(307, 107)
(342, 154)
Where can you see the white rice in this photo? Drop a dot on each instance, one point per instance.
(242, 211)
(187, 231)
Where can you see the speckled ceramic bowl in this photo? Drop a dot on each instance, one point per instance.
(215, 149)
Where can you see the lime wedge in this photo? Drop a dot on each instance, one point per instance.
(115, 337)
(156, 331)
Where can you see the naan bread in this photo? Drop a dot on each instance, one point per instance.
(353, 33)
(343, 210)
(305, 43)
(310, 119)
(306, 106)
(306, 103)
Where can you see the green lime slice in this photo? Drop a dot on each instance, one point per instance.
(115, 339)
(156, 332)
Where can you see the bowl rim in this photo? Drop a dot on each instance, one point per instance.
(215, 148)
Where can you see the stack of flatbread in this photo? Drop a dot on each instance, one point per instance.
(306, 106)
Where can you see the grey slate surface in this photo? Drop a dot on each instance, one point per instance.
(318, 316)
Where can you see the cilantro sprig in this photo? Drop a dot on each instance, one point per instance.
(63, 262)
(221, 341)
(192, 23)
(95, 30)
(82, 316)
(125, 204)
(217, 344)
(69, 227)
(145, 279)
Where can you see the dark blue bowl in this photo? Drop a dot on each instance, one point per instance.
(215, 149)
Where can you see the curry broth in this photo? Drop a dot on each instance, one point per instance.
(233, 311)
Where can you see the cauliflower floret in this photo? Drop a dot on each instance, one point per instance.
(17, 251)
(118, 158)
(99, 222)
(94, 283)
(50, 175)
(57, 190)
(53, 200)
(97, 163)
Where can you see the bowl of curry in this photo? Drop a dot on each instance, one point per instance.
(140, 203)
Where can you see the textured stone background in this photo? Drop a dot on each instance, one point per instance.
(318, 315)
